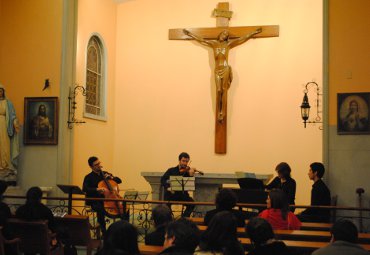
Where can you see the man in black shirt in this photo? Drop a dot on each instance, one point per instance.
(182, 169)
(320, 195)
(90, 187)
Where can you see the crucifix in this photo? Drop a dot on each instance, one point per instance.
(221, 39)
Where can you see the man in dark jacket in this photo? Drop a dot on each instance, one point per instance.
(181, 238)
(162, 216)
(90, 187)
(182, 169)
(320, 196)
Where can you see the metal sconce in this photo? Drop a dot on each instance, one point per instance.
(72, 106)
(305, 106)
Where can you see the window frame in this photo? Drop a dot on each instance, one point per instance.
(103, 79)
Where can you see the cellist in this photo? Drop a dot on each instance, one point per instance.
(90, 187)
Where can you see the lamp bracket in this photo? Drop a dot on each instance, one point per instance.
(72, 105)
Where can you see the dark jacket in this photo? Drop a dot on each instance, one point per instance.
(173, 250)
(156, 237)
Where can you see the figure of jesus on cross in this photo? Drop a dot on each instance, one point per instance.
(221, 39)
(223, 72)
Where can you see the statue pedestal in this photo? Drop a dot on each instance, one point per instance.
(45, 192)
(206, 186)
(14, 191)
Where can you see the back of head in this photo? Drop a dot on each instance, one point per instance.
(226, 199)
(344, 230)
(91, 160)
(221, 232)
(318, 168)
(259, 231)
(186, 234)
(3, 187)
(184, 155)
(283, 169)
(279, 200)
(121, 237)
(161, 215)
(34, 195)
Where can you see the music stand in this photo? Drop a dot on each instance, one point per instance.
(70, 189)
(251, 183)
(180, 183)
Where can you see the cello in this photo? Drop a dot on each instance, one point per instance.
(113, 209)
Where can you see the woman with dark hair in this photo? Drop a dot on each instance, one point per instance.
(277, 212)
(284, 182)
(220, 238)
(120, 239)
(225, 201)
(34, 209)
(263, 239)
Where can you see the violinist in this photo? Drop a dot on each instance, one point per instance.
(90, 187)
(182, 169)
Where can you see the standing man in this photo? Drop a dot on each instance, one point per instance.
(320, 195)
(182, 169)
(90, 187)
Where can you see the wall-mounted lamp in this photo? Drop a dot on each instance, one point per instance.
(72, 106)
(305, 106)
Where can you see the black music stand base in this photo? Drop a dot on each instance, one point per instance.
(70, 189)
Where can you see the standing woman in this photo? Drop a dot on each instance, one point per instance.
(9, 145)
(284, 182)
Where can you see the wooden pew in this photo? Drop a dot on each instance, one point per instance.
(301, 246)
(14, 243)
(301, 235)
(305, 225)
(78, 231)
(306, 246)
(35, 235)
(149, 249)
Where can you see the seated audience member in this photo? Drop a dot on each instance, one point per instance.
(263, 239)
(284, 182)
(4, 208)
(320, 195)
(343, 240)
(5, 214)
(226, 201)
(120, 239)
(34, 209)
(220, 238)
(277, 212)
(162, 215)
(181, 238)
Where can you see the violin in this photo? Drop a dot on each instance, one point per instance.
(113, 209)
(184, 169)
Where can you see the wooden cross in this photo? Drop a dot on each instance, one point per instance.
(218, 39)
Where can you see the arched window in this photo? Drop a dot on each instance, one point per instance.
(95, 82)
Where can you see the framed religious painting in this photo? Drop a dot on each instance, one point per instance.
(353, 113)
(40, 120)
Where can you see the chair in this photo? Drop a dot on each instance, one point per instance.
(77, 229)
(35, 236)
(13, 242)
(333, 202)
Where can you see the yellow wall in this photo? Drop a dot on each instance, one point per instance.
(30, 49)
(349, 50)
(165, 95)
(348, 70)
(95, 17)
(161, 93)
